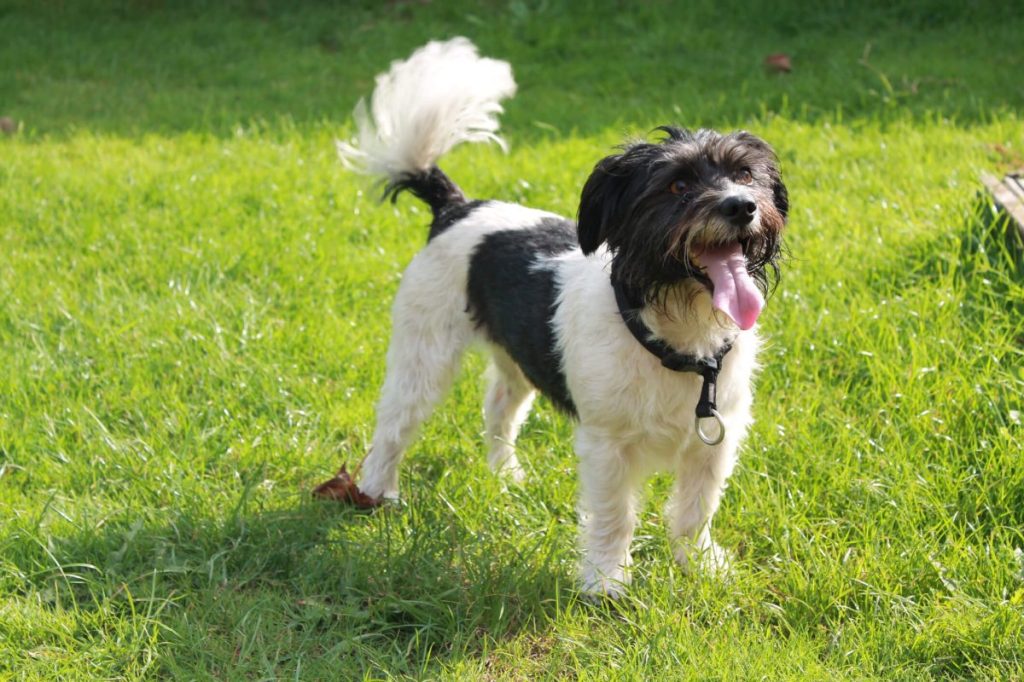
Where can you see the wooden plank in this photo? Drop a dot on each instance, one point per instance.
(1009, 195)
(1016, 184)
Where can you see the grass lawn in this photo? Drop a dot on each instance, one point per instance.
(194, 304)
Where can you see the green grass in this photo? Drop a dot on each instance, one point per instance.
(194, 310)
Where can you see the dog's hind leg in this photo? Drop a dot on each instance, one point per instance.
(431, 330)
(509, 397)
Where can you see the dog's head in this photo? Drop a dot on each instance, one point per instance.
(685, 208)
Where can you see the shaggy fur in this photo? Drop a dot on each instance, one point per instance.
(537, 292)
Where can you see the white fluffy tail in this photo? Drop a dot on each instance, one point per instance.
(444, 94)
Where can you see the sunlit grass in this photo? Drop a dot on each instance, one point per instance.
(193, 323)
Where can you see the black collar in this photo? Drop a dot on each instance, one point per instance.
(629, 309)
(708, 368)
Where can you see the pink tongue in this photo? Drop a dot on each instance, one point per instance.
(735, 293)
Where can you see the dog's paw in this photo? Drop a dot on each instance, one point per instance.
(383, 487)
(712, 560)
(598, 591)
(596, 584)
(503, 462)
(512, 473)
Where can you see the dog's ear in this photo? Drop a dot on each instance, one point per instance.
(780, 194)
(602, 202)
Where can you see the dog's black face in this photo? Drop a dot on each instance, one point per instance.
(658, 206)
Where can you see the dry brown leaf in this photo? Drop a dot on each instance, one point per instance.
(343, 489)
(778, 62)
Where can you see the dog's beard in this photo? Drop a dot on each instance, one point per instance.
(731, 265)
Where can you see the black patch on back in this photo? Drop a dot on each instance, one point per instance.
(451, 214)
(512, 296)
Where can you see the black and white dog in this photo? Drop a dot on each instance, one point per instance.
(628, 320)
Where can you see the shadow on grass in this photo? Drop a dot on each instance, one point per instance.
(399, 590)
(147, 65)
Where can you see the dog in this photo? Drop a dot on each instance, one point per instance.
(638, 321)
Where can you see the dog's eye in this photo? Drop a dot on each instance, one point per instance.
(678, 187)
(744, 177)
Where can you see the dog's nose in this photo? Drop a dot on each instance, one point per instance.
(738, 210)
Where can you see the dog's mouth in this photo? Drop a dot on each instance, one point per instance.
(733, 290)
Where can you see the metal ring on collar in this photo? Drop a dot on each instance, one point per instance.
(721, 429)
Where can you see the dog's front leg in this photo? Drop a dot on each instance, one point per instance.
(700, 480)
(607, 512)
